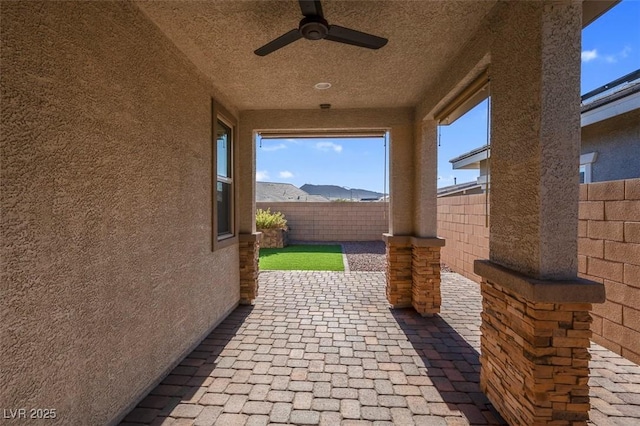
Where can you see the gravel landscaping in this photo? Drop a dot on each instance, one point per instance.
(369, 256)
(365, 255)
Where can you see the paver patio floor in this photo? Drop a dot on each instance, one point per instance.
(324, 348)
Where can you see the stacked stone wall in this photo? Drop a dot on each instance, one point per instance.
(274, 238)
(249, 250)
(535, 362)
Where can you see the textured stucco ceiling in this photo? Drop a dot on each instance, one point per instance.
(220, 37)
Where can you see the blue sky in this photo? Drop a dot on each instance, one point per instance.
(610, 49)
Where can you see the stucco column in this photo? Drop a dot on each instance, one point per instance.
(401, 181)
(249, 241)
(402, 207)
(535, 328)
(425, 247)
(246, 184)
(535, 143)
(426, 179)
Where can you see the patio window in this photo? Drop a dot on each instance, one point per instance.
(223, 184)
(224, 180)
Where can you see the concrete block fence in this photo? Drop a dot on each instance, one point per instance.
(333, 221)
(462, 223)
(608, 252)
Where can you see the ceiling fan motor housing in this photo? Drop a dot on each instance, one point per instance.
(314, 28)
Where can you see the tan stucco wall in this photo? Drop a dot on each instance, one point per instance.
(399, 122)
(107, 271)
(333, 221)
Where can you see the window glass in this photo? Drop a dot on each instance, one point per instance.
(223, 199)
(224, 208)
(223, 150)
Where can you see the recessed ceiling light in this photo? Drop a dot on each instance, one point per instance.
(322, 86)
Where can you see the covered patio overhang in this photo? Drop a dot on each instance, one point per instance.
(442, 58)
(536, 311)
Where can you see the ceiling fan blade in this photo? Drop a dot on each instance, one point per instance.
(356, 38)
(280, 42)
(311, 7)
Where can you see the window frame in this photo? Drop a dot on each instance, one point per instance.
(220, 115)
(586, 161)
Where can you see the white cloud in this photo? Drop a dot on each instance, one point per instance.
(625, 52)
(328, 146)
(612, 58)
(262, 175)
(273, 147)
(589, 55)
(285, 174)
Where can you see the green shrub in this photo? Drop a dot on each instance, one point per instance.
(267, 220)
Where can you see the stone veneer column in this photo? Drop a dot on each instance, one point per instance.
(413, 273)
(534, 356)
(398, 271)
(425, 274)
(535, 320)
(249, 247)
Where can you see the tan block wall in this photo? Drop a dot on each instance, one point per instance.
(608, 252)
(108, 277)
(333, 221)
(461, 222)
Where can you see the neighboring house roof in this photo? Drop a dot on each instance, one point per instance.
(274, 191)
(471, 159)
(614, 98)
(460, 189)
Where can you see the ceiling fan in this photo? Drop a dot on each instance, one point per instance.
(314, 27)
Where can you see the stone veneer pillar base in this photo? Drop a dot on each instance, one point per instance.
(398, 270)
(425, 272)
(413, 273)
(249, 255)
(535, 340)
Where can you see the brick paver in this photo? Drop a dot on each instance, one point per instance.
(324, 348)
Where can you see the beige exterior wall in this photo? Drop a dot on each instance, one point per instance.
(462, 224)
(108, 277)
(617, 143)
(608, 252)
(333, 221)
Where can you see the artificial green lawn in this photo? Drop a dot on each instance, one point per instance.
(302, 258)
